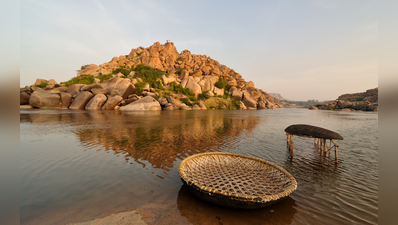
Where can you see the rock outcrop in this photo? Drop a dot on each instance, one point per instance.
(144, 104)
(43, 99)
(199, 73)
(365, 101)
(81, 99)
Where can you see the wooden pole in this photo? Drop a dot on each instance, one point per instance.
(335, 151)
(314, 141)
(291, 145)
(324, 145)
(320, 144)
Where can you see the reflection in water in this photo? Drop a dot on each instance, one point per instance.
(198, 211)
(160, 140)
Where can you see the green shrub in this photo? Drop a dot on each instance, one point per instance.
(331, 107)
(186, 101)
(42, 85)
(359, 99)
(192, 98)
(105, 77)
(84, 67)
(177, 88)
(203, 96)
(122, 70)
(148, 74)
(158, 85)
(139, 87)
(83, 79)
(221, 83)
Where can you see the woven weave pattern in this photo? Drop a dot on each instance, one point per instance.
(232, 174)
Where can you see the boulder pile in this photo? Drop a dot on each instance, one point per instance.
(364, 101)
(198, 73)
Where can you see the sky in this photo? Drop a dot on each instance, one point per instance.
(307, 49)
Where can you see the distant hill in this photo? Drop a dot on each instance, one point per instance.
(363, 101)
(277, 96)
(371, 95)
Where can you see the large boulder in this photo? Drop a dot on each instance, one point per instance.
(120, 86)
(144, 104)
(170, 99)
(207, 84)
(97, 91)
(361, 105)
(218, 91)
(373, 108)
(184, 82)
(88, 70)
(155, 62)
(58, 90)
(197, 73)
(237, 94)
(169, 51)
(81, 100)
(147, 103)
(43, 99)
(75, 88)
(24, 98)
(201, 105)
(183, 106)
(96, 102)
(196, 107)
(168, 106)
(249, 101)
(250, 84)
(241, 106)
(168, 80)
(193, 86)
(66, 99)
(254, 92)
(261, 105)
(216, 71)
(90, 87)
(112, 102)
(40, 81)
(162, 101)
(184, 74)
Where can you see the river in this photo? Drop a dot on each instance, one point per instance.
(78, 165)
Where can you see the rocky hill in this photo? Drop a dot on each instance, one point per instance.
(152, 78)
(371, 95)
(364, 101)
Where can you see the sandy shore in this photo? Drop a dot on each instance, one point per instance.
(123, 218)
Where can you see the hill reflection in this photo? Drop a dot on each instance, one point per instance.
(160, 139)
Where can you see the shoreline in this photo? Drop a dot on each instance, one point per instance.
(133, 217)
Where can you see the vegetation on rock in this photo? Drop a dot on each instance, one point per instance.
(42, 85)
(83, 79)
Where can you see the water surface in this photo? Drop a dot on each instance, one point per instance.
(80, 165)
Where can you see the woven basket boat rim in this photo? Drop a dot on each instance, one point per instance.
(263, 199)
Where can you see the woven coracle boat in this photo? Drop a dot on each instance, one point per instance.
(235, 180)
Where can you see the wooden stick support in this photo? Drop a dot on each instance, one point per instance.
(335, 152)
